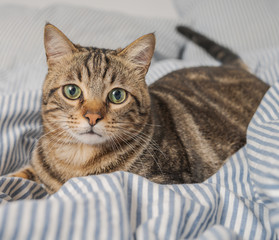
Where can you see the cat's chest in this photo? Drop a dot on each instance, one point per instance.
(74, 154)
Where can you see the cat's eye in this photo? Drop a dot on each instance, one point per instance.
(117, 95)
(71, 91)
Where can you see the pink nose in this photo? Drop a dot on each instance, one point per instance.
(93, 118)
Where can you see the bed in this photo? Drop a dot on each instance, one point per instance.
(241, 201)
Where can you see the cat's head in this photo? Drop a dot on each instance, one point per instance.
(93, 95)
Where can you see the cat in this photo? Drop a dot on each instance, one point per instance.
(99, 116)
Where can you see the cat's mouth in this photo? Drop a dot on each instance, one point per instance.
(91, 132)
(90, 136)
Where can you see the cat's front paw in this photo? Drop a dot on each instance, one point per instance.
(25, 172)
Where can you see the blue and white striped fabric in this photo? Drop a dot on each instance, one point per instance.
(240, 201)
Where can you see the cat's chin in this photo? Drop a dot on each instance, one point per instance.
(90, 138)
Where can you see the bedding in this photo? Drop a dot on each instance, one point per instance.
(239, 202)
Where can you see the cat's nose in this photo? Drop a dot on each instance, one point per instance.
(93, 118)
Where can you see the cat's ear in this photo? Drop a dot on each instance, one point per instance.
(140, 51)
(57, 45)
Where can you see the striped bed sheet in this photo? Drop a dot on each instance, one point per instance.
(241, 201)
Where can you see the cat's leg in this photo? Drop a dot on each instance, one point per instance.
(26, 172)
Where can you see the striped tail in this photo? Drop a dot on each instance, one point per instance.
(220, 53)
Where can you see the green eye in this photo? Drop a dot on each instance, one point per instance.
(117, 95)
(72, 92)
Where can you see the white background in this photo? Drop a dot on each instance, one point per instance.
(147, 8)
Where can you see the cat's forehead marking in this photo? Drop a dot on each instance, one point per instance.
(96, 63)
(86, 64)
(96, 70)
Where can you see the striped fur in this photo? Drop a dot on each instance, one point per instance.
(179, 130)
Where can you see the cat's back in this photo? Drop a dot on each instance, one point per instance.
(211, 76)
(207, 109)
(222, 88)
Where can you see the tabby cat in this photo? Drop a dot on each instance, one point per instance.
(99, 116)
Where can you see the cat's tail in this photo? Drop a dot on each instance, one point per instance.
(220, 53)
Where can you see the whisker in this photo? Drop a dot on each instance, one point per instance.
(134, 150)
(55, 140)
(135, 139)
(131, 123)
(143, 136)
